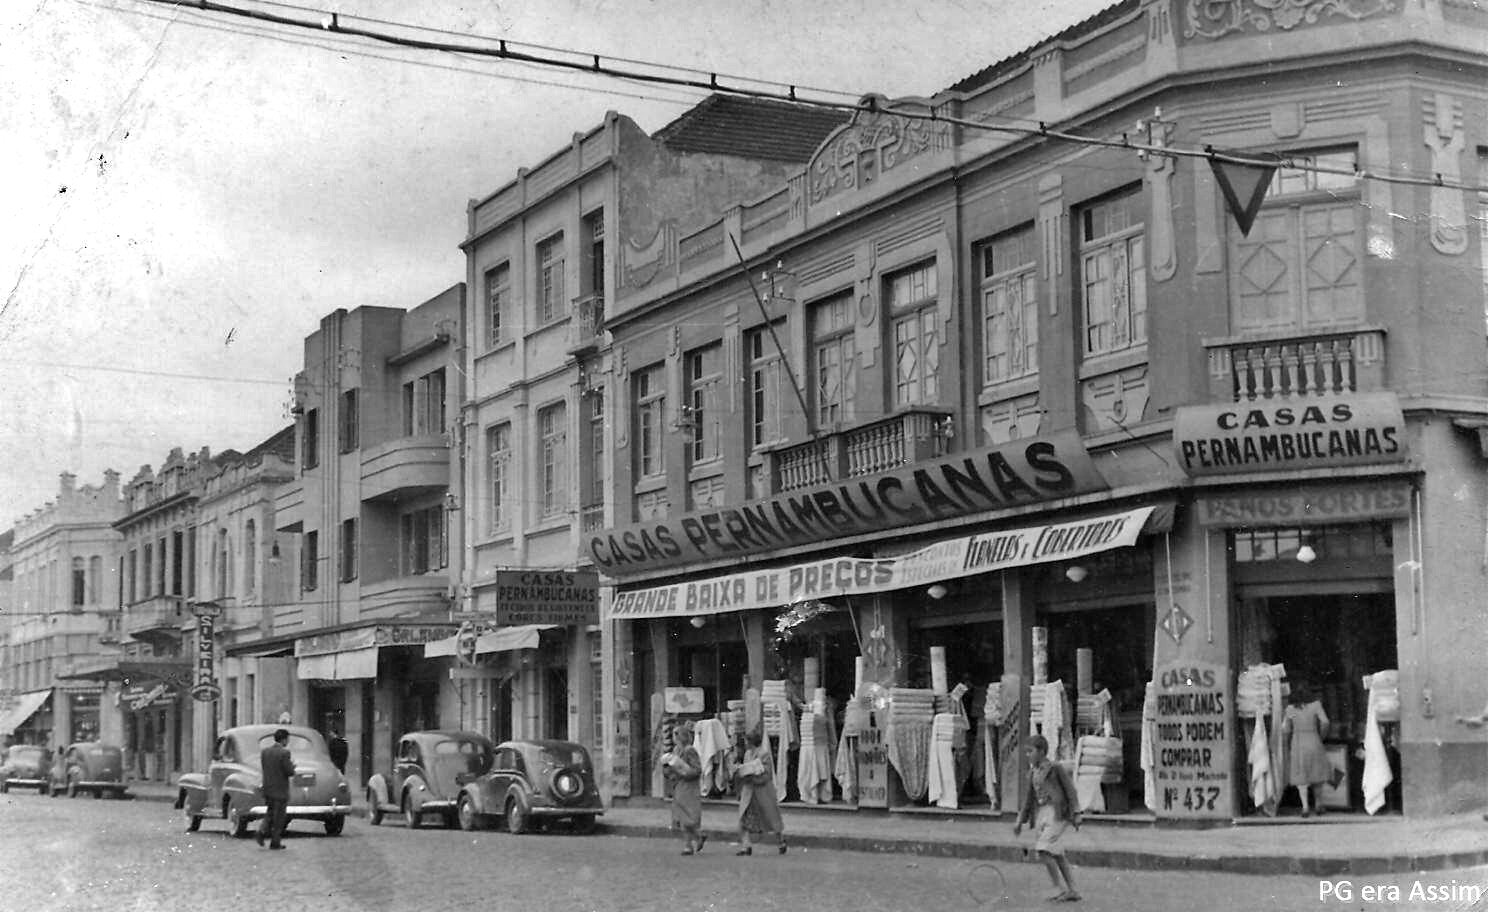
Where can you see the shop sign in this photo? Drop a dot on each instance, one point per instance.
(205, 688)
(683, 700)
(1303, 506)
(1195, 729)
(966, 485)
(1273, 435)
(412, 634)
(562, 597)
(957, 557)
(873, 768)
(367, 637)
(143, 696)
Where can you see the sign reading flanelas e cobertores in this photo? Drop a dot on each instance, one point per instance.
(1024, 471)
(1298, 433)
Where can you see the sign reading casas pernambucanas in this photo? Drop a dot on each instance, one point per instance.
(1022, 472)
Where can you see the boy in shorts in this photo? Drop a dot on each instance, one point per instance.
(1050, 805)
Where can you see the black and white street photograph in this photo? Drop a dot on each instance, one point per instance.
(619, 455)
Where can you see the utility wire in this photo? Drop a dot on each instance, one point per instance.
(591, 63)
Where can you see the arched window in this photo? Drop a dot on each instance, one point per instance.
(250, 556)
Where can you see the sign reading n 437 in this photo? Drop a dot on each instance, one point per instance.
(1194, 724)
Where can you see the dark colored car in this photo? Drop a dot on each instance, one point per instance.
(232, 786)
(90, 766)
(533, 780)
(26, 766)
(428, 773)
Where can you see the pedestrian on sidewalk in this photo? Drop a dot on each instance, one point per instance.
(759, 812)
(684, 768)
(278, 770)
(1304, 726)
(1050, 806)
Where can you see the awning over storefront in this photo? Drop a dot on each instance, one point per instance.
(943, 560)
(506, 639)
(129, 669)
(25, 707)
(339, 666)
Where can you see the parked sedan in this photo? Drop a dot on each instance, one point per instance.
(543, 780)
(232, 786)
(428, 772)
(25, 766)
(90, 766)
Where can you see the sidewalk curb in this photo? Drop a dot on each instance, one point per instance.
(1258, 865)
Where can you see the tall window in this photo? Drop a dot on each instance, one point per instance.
(914, 321)
(250, 555)
(147, 568)
(348, 425)
(498, 449)
(131, 570)
(766, 379)
(161, 567)
(593, 271)
(348, 550)
(498, 304)
(191, 560)
(224, 557)
(552, 459)
(649, 388)
(423, 404)
(550, 279)
(95, 579)
(310, 439)
(704, 382)
(178, 562)
(1009, 307)
(1483, 225)
(79, 582)
(833, 360)
(592, 484)
(1113, 268)
(424, 546)
(1300, 268)
(310, 562)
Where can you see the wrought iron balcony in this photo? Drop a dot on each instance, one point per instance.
(900, 439)
(587, 323)
(591, 517)
(158, 618)
(1297, 366)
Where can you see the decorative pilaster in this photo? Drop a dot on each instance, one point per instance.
(1444, 138)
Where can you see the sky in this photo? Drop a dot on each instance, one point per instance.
(185, 194)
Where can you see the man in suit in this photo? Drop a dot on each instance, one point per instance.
(278, 770)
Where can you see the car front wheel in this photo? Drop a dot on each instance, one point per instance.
(465, 814)
(334, 825)
(516, 817)
(237, 822)
(193, 822)
(374, 809)
(411, 817)
(72, 789)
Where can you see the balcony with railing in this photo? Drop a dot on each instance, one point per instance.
(900, 439)
(587, 324)
(157, 619)
(1297, 366)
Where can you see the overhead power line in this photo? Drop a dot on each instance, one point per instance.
(690, 78)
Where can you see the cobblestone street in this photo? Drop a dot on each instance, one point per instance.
(59, 855)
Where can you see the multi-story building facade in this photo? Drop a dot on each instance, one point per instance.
(1006, 408)
(64, 614)
(369, 511)
(545, 253)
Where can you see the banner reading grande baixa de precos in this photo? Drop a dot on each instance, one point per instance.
(957, 557)
(1027, 471)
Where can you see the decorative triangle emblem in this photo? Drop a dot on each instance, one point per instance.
(1176, 623)
(1244, 188)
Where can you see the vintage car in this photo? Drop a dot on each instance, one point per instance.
(232, 786)
(428, 772)
(533, 780)
(26, 766)
(89, 766)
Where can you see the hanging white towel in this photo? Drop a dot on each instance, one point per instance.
(846, 769)
(1149, 747)
(1262, 783)
(1377, 774)
(942, 773)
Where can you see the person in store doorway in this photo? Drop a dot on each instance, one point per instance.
(1051, 807)
(1478, 721)
(684, 768)
(759, 812)
(1304, 726)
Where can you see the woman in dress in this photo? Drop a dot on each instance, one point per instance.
(1305, 725)
(684, 768)
(759, 812)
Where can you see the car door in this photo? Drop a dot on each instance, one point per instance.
(224, 755)
(406, 765)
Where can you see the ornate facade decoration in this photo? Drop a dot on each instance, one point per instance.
(1163, 248)
(1445, 140)
(867, 149)
(1217, 18)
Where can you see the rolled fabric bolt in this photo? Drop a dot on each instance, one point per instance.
(860, 671)
(1040, 637)
(810, 675)
(1084, 670)
(938, 670)
(819, 700)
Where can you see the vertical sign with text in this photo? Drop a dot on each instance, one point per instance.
(1195, 723)
(204, 683)
(873, 768)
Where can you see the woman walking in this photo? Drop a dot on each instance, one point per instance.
(758, 810)
(1304, 726)
(684, 768)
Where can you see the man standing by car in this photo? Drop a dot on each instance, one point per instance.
(278, 770)
(339, 750)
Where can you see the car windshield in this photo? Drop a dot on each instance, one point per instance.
(300, 747)
(572, 755)
(466, 756)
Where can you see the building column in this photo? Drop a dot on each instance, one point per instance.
(1017, 671)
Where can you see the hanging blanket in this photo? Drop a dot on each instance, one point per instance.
(1149, 747)
(1377, 774)
(909, 753)
(941, 778)
(814, 765)
(713, 745)
(1262, 783)
(846, 769)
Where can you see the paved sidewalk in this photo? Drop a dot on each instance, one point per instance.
(1335, 844)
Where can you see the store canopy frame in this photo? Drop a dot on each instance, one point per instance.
(25, 707)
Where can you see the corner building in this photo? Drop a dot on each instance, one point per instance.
(991, 407)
